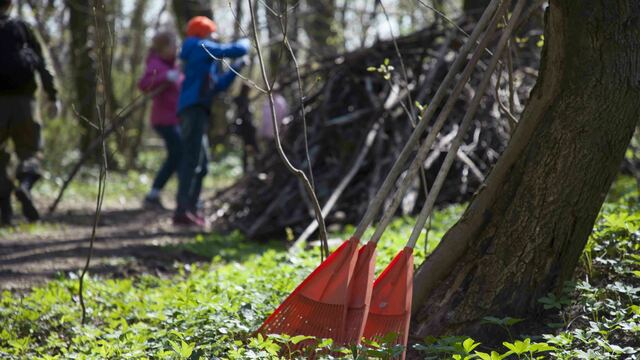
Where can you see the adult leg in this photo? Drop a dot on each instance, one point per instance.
(6, 185)
(25, 132)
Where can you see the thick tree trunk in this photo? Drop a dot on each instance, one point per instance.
(524, 231)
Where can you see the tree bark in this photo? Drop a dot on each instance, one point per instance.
(523, 233)
(131, 143)
(186, 9)
(320, 27)
(82, 68)
(273, 10)
(104, 39)
(237, 23)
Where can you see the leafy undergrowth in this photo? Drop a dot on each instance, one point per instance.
(210, 310)
(207, 310)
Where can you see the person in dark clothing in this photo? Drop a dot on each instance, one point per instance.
(21, 59)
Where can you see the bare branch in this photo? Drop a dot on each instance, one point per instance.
(295, 171)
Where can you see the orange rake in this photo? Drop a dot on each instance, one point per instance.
(402, 266)
(390, 309)
(359, 295)
(319, 305)
(334, 300)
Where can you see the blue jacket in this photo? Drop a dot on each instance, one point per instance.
(197, 63)
(222, 80)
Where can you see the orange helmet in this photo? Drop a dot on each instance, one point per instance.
(200, 26)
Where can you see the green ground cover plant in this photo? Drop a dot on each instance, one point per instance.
(209, 310)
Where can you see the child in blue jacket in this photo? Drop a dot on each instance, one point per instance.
(202, 80)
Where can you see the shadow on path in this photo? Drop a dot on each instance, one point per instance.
(128, 242)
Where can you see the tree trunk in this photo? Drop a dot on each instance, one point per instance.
(82, 68)
(186, 9)
(237, 23)
(273, 10)
(104, 38)
(131, 143)
(320, 27)
(522, 235)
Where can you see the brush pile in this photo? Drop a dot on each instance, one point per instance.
(359, 109)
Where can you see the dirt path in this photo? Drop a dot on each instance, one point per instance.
(129, 241)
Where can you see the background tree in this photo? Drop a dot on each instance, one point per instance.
(186, 9)
(275, 11)
(104, 16)
(83, 67)
(524, 231)
(136, 49)
(320, 27)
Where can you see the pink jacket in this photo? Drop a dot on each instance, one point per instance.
(165, 104)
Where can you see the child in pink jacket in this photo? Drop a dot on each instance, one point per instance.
(162, 74)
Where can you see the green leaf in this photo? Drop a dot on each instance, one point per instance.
(296, 339)
(493, 356)
(518, 347)
(469, 345)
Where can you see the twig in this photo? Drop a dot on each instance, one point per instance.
(249, 81)
(431, 137)
(295, 171)
(96, 218)
(328, 206)
(285, 41)
(466, 121)
(156, 26)
(396, 170)
(348, 117)
(449, 20)
(412, 112)
(513, 122)
(115, 123)
(512, 107)
(103, 167)
(462, 156)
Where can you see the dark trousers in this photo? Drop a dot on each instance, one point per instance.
(173, 144)
(18, 123)
(195, 161)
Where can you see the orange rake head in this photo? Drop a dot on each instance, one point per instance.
(390, 308)
(318, 306)
(359, 294)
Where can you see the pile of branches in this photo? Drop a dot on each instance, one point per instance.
(359, 116)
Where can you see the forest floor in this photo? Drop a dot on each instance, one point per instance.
(148, 296)
(130, 239)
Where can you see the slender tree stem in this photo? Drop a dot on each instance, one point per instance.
(295, 171)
